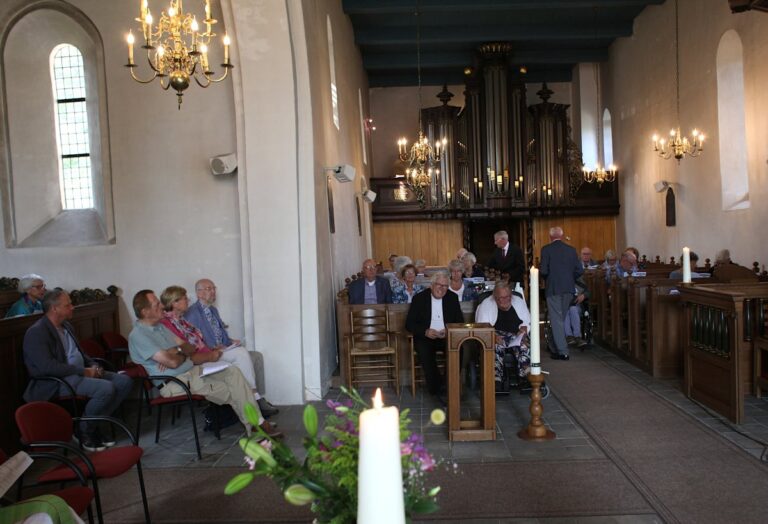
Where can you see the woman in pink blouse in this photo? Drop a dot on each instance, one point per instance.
(176, 303)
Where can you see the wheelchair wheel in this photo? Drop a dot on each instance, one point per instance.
(544, 391)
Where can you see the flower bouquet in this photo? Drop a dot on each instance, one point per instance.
(327, 477)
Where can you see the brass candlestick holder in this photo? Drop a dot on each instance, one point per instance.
(536, 430)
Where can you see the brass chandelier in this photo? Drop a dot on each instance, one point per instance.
(678, 145)
(422, 160)
(600, 174)
(177, 50)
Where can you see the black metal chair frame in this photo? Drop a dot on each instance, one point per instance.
(189, 400)
(80, 454)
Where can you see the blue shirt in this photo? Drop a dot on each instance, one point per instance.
(144, 341)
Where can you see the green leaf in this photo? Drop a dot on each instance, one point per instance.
(298, 495)
(425, 506)
(310, 420)
(255, 450)
(252, 414)
(238, 483)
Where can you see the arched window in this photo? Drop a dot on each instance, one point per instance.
(332, 65)
(732, 131)
(71, 117)
(56, 188)
(607, 138)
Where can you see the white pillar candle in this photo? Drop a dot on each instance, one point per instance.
(533, 292)
(686, 265)
(379, 471)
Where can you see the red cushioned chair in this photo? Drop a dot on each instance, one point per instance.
(47, 427)
(117, 347)
(188, 399)
(78, 498)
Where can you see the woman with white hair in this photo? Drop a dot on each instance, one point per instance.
(470, 265)
(32, 289)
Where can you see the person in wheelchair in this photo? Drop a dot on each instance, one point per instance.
(572, 325)
(508, 313)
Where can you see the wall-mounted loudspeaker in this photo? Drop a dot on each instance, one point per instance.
(369, 196)
(660, 186)
(224, 164)
(342, 173)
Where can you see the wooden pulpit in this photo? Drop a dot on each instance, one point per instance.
(483, 428)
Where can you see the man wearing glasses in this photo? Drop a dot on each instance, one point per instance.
(371, 289)
(430, 311)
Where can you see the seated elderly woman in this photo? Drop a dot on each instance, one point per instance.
(32, 289)
(469, 260)
(509, 315)
(176, 303)
(456, 284)
(405, 286)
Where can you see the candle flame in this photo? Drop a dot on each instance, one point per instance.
(377, 402)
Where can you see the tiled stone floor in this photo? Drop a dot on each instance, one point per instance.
(176, 446)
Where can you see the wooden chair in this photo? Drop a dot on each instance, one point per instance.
(417, 375)
(373, 358)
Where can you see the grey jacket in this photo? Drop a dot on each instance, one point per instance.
(45, 355)
(561, 266)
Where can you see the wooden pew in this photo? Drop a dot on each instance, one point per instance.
(719, 323)
(88, 321)
(7, 299)
(761, 365)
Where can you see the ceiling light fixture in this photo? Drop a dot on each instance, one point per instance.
(177, 51)
(678, 145)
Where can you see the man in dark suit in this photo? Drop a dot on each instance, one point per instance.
(371, 289)
(507, 258)
(430, 311)
(51, 349)
(560, 266)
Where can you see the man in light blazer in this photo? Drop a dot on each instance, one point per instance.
(560, 266)
(51, 349)
(430, 311)
(371, 289)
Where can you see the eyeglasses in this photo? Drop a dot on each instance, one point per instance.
(38, 286)
(439, 285)
(369, 267)
(210, 288)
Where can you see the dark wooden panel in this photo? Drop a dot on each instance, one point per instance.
(88, 320)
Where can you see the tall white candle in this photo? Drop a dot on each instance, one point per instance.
(379, 471)
(686, 265)
(533, 292)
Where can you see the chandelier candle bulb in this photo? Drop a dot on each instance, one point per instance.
(686, 265)
(379, 471)
(227, 41)
(533, 290)
(130, 40)
(148, 28)
(207, 10)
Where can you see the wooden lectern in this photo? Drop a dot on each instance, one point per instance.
(471, 429)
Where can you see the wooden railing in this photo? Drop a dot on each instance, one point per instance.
(88, 321)
(718, 320)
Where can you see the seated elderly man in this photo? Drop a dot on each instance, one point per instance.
(430, 311)
(509, 315)
(161, 352)
(586, 257)
(371, 289)
(205, 316)
(51, 349)
(32, 289)
(626, 265)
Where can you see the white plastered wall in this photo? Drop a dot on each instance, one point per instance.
(639, 84)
